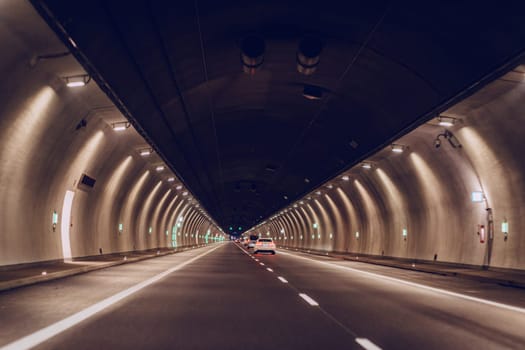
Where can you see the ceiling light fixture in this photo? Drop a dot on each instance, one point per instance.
(312, 92)
(120, 126)
(396, 148)
(77, 80)
(446, 121)
(145, 152)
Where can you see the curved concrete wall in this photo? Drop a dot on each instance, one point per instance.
(426, 192)
(43, 155)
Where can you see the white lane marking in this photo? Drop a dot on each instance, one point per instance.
(417, 285)
(367, 344)
(282, 279)
(308, 299)
(262, 264)
(269, 269)
(256, 259)
(50, 331)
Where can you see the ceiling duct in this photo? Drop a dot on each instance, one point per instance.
(252, 53)
(308, 55)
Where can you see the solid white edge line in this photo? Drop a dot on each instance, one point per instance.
(367, 344)
(308, 299)
(417, 285)
(56, 328)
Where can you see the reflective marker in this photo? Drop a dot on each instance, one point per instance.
(367, 344)
(308, 299)
(282, 279)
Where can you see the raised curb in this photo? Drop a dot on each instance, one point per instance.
(459, 274)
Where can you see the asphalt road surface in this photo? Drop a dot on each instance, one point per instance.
(221, 297)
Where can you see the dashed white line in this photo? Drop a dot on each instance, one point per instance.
(50, 331)
(417, 285)
(282, 279)
(262, 264)
(269, 269)
(367, 344)
(308, 299)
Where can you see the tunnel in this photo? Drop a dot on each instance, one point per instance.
(377, 145)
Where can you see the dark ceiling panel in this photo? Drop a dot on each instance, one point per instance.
(241, 142)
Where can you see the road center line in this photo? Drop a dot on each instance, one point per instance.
(367, 344)
(282, 279)
(308, 299)
(56, 328)
(417, 285)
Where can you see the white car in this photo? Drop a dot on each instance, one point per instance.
(264, 245)
(251, 241)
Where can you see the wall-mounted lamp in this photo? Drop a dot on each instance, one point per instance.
(120, 126)
(477, 196)
(160, 168)
(318, 193)
(505, 229)
(179, 187)
(171, 179)
(446, 121)
(397, 148)
(366, 165)
(144, 152)
(185, 193)
(77, 80)
(345, 178)
(55, 220)
(449, 136)
(330, 186)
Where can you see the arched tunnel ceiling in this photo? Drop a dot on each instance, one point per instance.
(243, 142)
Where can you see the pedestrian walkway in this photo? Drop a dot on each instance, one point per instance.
(15, 276)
